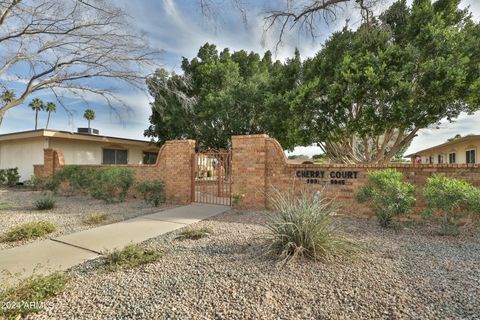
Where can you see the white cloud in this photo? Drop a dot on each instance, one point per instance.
(179, 28)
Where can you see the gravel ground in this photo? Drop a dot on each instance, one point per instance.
(403, 273)
(67, 215)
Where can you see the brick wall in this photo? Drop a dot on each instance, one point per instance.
(249, 169)
(259, 164)
(173, 167)
(52, 160)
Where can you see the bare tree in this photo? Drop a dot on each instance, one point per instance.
(58, 45)
(293, 14)
(306, 14)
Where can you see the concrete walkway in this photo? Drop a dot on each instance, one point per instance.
(67, 251)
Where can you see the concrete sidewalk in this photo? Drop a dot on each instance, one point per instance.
(67, 251)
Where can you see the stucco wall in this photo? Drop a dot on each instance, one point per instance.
(459, 148)
(22, 154)
(86, 152)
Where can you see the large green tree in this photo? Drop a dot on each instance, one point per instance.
(221, 94)
(362, 98)
(366, 94)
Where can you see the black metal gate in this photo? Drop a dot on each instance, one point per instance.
(212, 177)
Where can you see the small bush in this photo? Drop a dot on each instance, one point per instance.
(129, 257)
(10, 176)
(79, 179)
(112, 183)
(28, 296)
(95, 218)
(45, 202)
(303, 227)
(194, 234)
(237, 198)
(3, 176)
(453, 198)
(29, 230)
(37, 182)
(153, 192)
(388, 194)
(52, 183)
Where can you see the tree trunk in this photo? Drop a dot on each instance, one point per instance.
(2, 114)
(88, 126)
(48, 120)
(36, 119)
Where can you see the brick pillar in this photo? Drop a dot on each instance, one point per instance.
(52, 161)
(176, 161)
(249, 169)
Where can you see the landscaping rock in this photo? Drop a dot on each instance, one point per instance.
(399, 274)
(68, 214)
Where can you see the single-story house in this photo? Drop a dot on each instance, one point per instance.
(25, 149)
(458, 150)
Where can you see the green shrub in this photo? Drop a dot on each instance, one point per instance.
(29, 230)
(28, 296)
(153, 192)
(45, 202)
(79, 179)
(130, 257)
(112, 183)
(12, 176)
(302, 226)
(194, 234)
(453, 198)
(95, 218)
(3, 176)
(52, 183)
(237, 198)
(388, 194)
(9, 176)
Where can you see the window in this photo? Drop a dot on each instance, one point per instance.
(115, 156)
(470, 156)
(452, 157)
(430, 159)
(440, 158)
(149, 157)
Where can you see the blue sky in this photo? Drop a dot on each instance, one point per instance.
(179, 29)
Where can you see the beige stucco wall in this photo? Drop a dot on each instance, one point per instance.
(459, 148)
(87, 152)
(23, 154)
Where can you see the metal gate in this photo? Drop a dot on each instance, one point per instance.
(212, 177)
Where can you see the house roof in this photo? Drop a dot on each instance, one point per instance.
(448, 143)
(70, 135)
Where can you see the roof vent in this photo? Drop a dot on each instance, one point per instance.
(88, 131)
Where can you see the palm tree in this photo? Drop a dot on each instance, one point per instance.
(89, 115)
(36, 105)
(7, 96)
(50, 107)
